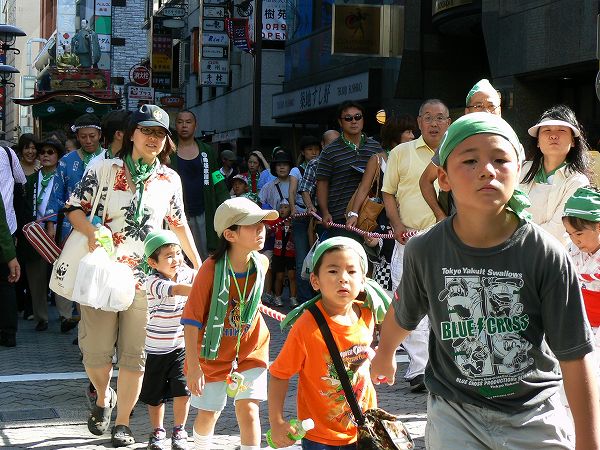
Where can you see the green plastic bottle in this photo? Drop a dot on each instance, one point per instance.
(301, 426)
(104, 238)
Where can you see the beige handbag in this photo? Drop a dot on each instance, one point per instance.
(64, 269)
(369, 210)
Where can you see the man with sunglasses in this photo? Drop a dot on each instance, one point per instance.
(406, 209)
(341, 166)
(69, 172)
(204, 187)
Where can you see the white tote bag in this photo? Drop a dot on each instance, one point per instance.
(64, 269)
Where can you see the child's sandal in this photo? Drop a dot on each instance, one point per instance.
(99, 419)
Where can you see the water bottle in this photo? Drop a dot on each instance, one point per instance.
(301, 427)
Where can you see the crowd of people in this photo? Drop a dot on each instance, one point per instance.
(496, 299)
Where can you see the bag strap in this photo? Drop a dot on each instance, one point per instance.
(377, 178)
(279, 190)
(334, 351)
(10, 162)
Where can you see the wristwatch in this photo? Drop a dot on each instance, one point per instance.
(351, 214)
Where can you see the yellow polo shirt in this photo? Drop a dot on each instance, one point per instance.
(405, 165)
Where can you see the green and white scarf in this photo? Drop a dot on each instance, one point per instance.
(140, 172)
(220, 300)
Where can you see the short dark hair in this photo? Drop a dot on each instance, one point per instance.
(114, 121)
(308, 141)
(394, 126)
(580, 224)
(156, 252)
(186, 111)
(349, 104)
(24, 140)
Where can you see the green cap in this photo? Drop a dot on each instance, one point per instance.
(157, 239)
(584, 204)
(482, 85)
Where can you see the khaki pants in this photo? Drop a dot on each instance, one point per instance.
(101, 331)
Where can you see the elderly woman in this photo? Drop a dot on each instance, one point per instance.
(557, 166)
(38, 189)
(144, 194)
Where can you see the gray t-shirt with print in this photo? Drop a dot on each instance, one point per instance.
(500, 316)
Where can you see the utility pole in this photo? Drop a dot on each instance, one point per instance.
(256, 97)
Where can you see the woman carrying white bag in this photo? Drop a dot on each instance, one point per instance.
(142, 196)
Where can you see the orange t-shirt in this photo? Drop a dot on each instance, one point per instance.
(254, 344)
(320, 394)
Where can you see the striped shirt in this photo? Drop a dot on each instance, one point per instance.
(343, 168)
(164, 332)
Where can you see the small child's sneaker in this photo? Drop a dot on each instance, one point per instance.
(267, 299)
(277, 301)
(293, 302)
(179, 439)
(158, 440)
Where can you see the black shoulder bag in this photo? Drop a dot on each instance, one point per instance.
(377, 429)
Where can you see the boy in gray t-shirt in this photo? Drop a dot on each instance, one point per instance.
(505, 308)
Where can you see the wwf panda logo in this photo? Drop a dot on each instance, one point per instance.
(61, 271)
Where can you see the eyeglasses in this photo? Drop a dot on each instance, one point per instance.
(431, 119)
(480, 107)
(159, 133)
(349, 118)
(47, 152)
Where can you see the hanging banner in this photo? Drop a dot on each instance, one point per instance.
(238, 31)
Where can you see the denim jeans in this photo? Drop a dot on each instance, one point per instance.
(310, 445)
(300, 230)
(8, 303)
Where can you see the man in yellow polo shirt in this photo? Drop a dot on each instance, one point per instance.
(406, 209)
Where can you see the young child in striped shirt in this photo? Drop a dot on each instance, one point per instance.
(167, 289)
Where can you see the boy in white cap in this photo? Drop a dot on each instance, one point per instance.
(167, 288)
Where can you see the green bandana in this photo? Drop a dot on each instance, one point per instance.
(87, 157)
(481, 86)
(584, 204)
(44, 182)
(220, 300)
(351, 144)
(139, 172)
(542, 177)
(377, 300)
(479, 123)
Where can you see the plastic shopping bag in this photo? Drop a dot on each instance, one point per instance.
(92, 280)
(121, 285)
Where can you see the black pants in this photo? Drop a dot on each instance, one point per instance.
(8, 303)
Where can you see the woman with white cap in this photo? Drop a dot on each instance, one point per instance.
(557, 166)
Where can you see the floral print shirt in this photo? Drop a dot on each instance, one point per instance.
(162, 201)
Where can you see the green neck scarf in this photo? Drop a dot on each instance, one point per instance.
(351, 144)
(542, 177)
(44, 182)
(140, 172)
(87, 157)
(377, 300)
(479, 123)
(584, 204)
(220, 300)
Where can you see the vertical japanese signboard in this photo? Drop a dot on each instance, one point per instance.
(162, 57)
(103, 28)
(274, 26)
(214, 44)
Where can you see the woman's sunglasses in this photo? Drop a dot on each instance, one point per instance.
(350, 118)
(47, 152)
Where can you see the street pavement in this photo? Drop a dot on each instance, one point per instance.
(43, 404)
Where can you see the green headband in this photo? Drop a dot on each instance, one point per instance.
(584, 204)
(480, 123)
(481, 86)
(376, 299)
(340, 241)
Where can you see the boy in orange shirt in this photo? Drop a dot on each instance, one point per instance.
(339, 274)
(226, 337)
